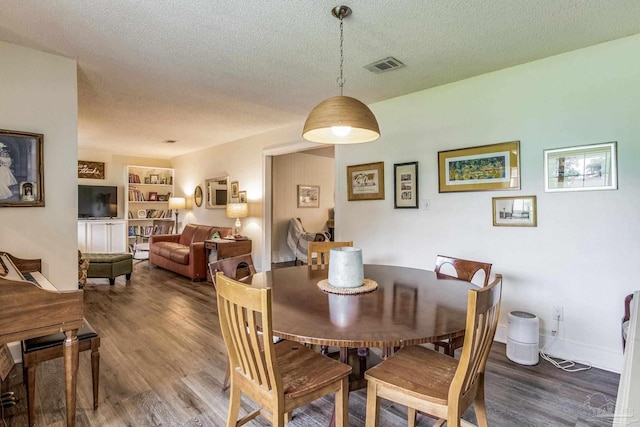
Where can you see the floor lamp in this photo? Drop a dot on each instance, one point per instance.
(177, 203)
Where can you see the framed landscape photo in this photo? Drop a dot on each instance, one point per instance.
(582, 168)
(365, 182)
(483, 168)
(519, 211)
(405, 182)
(21, 169)
(308, 196)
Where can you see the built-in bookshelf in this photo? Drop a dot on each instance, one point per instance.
(148, 192)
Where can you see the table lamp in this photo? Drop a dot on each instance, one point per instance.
(237, 211)
(177, 203)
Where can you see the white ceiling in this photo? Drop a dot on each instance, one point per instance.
(206, 72)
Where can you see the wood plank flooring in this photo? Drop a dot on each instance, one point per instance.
(162, 361)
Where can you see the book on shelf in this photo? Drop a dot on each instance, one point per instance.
(135, 195)
(134, 178)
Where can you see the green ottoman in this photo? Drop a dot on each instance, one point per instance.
(109, 266)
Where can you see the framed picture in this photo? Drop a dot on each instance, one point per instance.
(405, 183)
(197, 196)
(365, 182)
(153, 196)
(93, 170)
(21, 169)
(154, 179)
(242, 197)
(583, 168)
(483, 168)
(235, 189)
(147, 180)
(163, 197)
(163, 181)
(519, 211)
(308, 196)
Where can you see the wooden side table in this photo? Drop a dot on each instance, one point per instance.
(225, 249)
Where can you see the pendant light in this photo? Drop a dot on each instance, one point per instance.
(341, 119)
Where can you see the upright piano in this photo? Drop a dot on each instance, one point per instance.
(31, 307)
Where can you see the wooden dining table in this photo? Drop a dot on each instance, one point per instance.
(410, 306)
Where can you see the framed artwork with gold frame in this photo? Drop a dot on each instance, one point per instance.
(366, 181)
(482, 168)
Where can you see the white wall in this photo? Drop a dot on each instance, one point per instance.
(289, 170)
(582, 254)
(39, 95)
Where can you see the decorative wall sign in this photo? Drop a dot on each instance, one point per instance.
(94, 170)
(583, 168)
(487, 167)
(21, 169)
(366, 181)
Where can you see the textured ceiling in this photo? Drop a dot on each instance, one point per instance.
(206, 72)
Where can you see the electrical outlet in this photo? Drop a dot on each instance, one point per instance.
(558, 313)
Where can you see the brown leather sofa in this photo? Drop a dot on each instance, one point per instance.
(184, 253)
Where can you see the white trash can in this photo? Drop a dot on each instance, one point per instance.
(523, 337)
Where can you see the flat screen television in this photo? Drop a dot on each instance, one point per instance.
(97, 201)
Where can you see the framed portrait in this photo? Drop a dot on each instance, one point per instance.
(519, 211)
(242, 197)
(582, 168)
(21, 169)
(308, 196)
(405, 184)
(365, 182)
(483, 168)
(153, 196)
(235, 190)
(154, 179)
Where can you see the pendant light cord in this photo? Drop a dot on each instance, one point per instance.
(340, 79)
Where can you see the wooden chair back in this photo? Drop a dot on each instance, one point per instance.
(321, 251)
(241, 308)
(463, 269)
(299, 377)
(235, 267)
(483, 308)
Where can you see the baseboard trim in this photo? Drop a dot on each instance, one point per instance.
(598, 357)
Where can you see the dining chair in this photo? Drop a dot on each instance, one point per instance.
(430, 382)
(463, 269)
(278, 377)
(236, 267)
(141, 245)
(318, 252)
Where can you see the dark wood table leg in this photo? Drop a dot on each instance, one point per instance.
(70, 351)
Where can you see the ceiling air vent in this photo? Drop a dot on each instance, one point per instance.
(386, 64)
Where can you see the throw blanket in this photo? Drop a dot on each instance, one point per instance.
(298, 237)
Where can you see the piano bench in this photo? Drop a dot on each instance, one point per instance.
(109, 266)
(49, 347)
